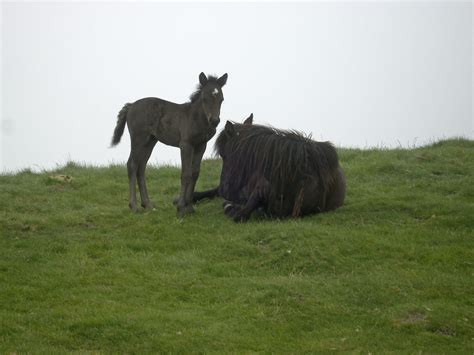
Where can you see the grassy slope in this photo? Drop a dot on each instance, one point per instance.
(391, 270)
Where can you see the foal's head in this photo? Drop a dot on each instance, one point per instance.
(210, 97)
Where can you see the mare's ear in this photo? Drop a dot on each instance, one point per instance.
(222, 80)
(249, 120)
(202, 79)
(229, 128)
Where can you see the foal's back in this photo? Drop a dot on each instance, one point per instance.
(156, 117)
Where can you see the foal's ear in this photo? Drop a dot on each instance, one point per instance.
(202, 79)
(222, 80)
(249, 120)
(229, 128)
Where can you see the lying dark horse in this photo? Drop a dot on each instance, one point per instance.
(283, 173)
(188, 126)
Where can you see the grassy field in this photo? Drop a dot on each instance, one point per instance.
(391, 270)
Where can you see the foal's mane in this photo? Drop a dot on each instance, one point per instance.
(284, 157)
(195, 95)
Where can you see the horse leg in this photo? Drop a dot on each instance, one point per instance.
(144, 155)
(196, 167)
(132, 167)
(256, 199)
(198, 196)
(230, 208)
(187, 152)
(201, 195)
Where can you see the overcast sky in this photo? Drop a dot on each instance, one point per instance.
(359, 74)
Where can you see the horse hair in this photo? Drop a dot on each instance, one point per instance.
(284, 157)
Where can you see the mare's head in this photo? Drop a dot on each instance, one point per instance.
(231, 171)
(230, 133)
(209, 96)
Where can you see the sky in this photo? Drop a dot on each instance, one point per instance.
(359, 74)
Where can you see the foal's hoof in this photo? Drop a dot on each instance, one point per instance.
(133, 207)
(148, 206)
(189, 209)
(183, 211)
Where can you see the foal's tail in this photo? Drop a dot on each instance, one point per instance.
(121, 121)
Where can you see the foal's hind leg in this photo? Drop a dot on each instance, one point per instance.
(143, 156)
(132, 167)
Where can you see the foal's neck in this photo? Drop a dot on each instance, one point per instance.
(197, 112)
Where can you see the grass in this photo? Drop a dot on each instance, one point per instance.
(390, 271)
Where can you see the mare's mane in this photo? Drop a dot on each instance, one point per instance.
(284, 157)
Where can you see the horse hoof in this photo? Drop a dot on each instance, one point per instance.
(232, 210)
(240, 218)
(148, 206)
(183, 211)
(189, 209)
(225, 203)
(228, 208)
(180, 213)
(133, 208)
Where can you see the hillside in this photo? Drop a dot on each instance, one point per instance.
(391, 270)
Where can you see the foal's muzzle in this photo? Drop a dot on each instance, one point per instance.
(214, 122)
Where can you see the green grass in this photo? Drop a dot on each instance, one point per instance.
(392, 270)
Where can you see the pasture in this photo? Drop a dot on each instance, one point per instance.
(392, 270)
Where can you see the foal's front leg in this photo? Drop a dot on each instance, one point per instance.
(187, 153)
(196, 168)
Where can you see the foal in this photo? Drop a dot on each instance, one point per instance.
(188, 126)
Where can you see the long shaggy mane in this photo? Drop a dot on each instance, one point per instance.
(284, 157)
